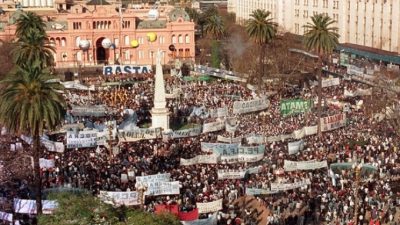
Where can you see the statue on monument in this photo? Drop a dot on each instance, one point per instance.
(158, 58)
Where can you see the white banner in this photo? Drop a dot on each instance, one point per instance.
(81, 139)
(228, 139)
(191, 132)
(120, 198)
(162, 188)
(244, 154)
(330, 82)
(333, 122)
(46, 163)
(241, 107)
(304, 165)
(26, 206)
(161, 177)
(140, 134)
(219, 112)
(295, 147)
(52, 146)
(231, 124)
(255, 139)
(259, 191)
(6, 216)
(289, 186)
(209, 206)
(214, 126)
(200, 159)
(89, 110)
(231, 174)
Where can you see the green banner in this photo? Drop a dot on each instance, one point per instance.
(293, 106)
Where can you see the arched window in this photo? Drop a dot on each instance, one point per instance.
(126, 40)
(173, 39)
(63, 42)
(180, 39)
(58, 41)
(77, 40)
(187, 39)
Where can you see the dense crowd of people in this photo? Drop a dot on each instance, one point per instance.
(335, 196)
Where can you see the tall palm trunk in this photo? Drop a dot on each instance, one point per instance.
(319, 104)
(262, 66)
(38, 180)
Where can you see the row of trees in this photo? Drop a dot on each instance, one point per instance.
(30, 101)
(321, 38)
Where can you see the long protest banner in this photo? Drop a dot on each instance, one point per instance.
(242, 107)
(330, 82)
(259, 191)
(120, 198)
(233, 153)
(89, 110)
(200, 159)
(126, 69)
(333, 122)
(289, 186)
(191, 132)
(162, 188)
(214, 126)
(228, 139)
(294, 106)
(26, 206)
(81, 139)
(209, 206)
(304, 165)
(161, 177)
(219, 112)
(231, 174)
(46, 163)
(140, 134)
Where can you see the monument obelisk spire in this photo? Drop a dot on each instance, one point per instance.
(160, 114)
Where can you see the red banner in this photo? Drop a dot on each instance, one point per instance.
(189, 216)
(164, 208)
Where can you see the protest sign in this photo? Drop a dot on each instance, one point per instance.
(219, 112)
(81, 139)
(255, 139)
(52, 146)
(231, 174)
(330, 82)
(209, 206)
(162, 188)
(228, 139)
(140, 134)
(120, 198)
(6, 216)
(191, 132)
(333, 122)
(219, 148)
(161, 177)
(26, 206)
(231, 124)
(46, 163)
(259, 191)
(89, 110)
(295, 147)
(213, 126)
(289, 186)
(200, 159)
(241, 107)
(304, 165)
(294, 106)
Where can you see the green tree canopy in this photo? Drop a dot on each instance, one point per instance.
(33, 48)
(82, 208)
(215, 27)
(260, 27)
(28, 22)
(320, 35)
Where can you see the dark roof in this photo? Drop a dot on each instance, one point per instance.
(98, 2)
(370, 53)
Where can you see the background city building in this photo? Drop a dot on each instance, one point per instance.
(370, 23)
(98, 20)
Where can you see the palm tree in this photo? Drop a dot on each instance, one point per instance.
(262, 30)
(31, 48)
(322, 38)
(31, 103)
(28, 22)
(215, 27)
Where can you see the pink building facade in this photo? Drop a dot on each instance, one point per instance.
(66, 31)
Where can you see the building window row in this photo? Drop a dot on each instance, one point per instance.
(180, 39)
(58, 42)
(77, 25)
(102, 25)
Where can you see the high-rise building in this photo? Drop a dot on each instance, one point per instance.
(370, 23)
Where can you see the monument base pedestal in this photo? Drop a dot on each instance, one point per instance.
(160, 118)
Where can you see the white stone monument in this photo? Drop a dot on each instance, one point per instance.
(159, 113)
